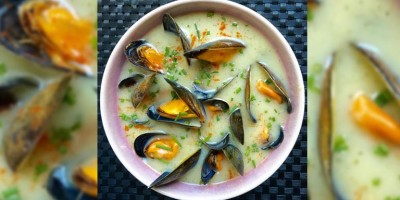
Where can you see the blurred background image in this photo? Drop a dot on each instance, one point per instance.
(48, 99)
(353, 98)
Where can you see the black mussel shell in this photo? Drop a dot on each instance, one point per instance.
(236, 123)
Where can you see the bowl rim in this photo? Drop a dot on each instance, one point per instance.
(185, 192)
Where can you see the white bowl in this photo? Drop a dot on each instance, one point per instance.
(123, 149)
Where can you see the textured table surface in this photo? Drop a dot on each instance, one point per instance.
(289, 16)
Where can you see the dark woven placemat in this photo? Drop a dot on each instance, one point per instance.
(289, 16)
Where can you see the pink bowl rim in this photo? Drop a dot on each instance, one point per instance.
(228, 189)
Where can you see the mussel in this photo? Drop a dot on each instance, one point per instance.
(153, 114)
(29, 122)
(203, 94)
(144, 55)
(235, 156)
(282, 92)
(236, 123)
(158, 145)
(247, 93)
(211, 165)
(325, 125)
(170, 25)
(219, 50)
(68, 182)
(48, 32)
(140, 89)
(170, 176)
(130, 81)
(212, 162)
(8, 89)
(176, 109)
(216, 104)
(274, 144)
(189, 98)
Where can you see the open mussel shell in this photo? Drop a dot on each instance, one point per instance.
(168, 177)
(279, 85)
(30, 121)
(134, 52)
(217, 104)
(68, 182)
(203, 94)
(207, 170)
(391, 80)
(140, 89)
(12, 34)
(224, 47)
(8, 96)
(142, 141)
(130, 81)
(170, 25)
(235, 157)
(274, 144)
(220, 144)
(21, 33)
(153, 114)
(247, 94)
(189, 98)
(236, 123)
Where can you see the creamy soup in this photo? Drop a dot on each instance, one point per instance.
(77, 110)
(203, 27)
(364, 166)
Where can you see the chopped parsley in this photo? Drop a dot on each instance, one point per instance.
(11, 194)
(252, 98)
(63, 134)
(218, 118)
(312, 84)
(310, 15)
(161, 146)
(3, 69)
(174, 95)
(268, 81)
(163, 161)
(70, 97)
(210, 14)
(376, 181)
(197, 30)
(254, 163)
(383, 97)
(254, 148)
(381, 150)
(223, 18)
(233, 109)
(234, 24)
(340, 144)
(40, 169)
(237, 91)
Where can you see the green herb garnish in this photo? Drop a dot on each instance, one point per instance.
(384, 97)
(40, 169)
(3, 69)
(197, 30)
(70, 97)
(340, 144)
(381, 150)
(11, 194)
(234, 24)
(161, 146)
(376, 181)
(174, 95)
(210, 14)
(237, 91)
